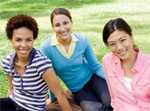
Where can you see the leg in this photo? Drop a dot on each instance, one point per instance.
(6, 104)
(101, 89)
(87, 99)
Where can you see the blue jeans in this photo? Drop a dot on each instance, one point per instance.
(94, 96)
(7, 104)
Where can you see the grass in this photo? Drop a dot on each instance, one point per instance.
(3, 85)
(38, 7)
(89, 18)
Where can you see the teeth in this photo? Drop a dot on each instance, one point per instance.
(64, 34)
(23, 51)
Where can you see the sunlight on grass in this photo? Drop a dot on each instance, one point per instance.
(90, 19)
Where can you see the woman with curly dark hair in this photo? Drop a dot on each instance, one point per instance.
(30, 74)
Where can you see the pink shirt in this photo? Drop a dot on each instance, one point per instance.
(122, 98)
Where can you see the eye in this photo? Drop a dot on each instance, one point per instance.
(29, 39)
(18, 39)
(65, 22)
(57, 24)
(122, 40)
(112, 44)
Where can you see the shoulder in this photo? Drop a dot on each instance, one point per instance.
(46, 42)
(80, 37)
(7, 62)
(39, 57)
(8, 59)
(40, 62)
(46, 46)
(39, 54)
(144, 57)
(82, 40)
(107, 57)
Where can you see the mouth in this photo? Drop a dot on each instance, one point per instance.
(64, 34)
(22, 51)
(122, 54)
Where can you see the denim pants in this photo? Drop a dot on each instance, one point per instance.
(94, 96)
(7, 104)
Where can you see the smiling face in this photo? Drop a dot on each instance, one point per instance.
(121, 44)
(22, 41)
(62, 26)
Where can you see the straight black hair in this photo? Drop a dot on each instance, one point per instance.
(113, 25)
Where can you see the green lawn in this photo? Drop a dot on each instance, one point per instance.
(88, 19)
(3, 85)
(39, 7)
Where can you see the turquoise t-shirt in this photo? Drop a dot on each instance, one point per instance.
(77, 70)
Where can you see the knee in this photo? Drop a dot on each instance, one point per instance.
(91, 106)
(106, 99)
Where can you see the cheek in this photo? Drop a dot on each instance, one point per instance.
(113, 50)
(129, 46)
(14, 44)
(31, 43)
(69, 27)
(54, 28)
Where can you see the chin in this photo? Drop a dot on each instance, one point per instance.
(64, 38)
(23, 55)
(124, 58)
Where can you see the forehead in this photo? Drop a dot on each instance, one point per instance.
(22, 32)
(116, 35)
(60, 17)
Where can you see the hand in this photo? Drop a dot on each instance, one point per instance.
(68, 94)
(48, 102)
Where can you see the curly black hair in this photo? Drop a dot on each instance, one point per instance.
(19, 21)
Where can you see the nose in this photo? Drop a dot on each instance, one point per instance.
(62, 28)
(119, 46)
(23, 43)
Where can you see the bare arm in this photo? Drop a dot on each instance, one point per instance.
(10, 86)
(53, 84)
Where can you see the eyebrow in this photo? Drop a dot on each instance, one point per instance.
(122, 37)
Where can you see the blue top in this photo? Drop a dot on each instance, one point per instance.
(77, 70)
(29, 90)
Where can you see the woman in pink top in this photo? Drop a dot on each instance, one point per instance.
(127, 69)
